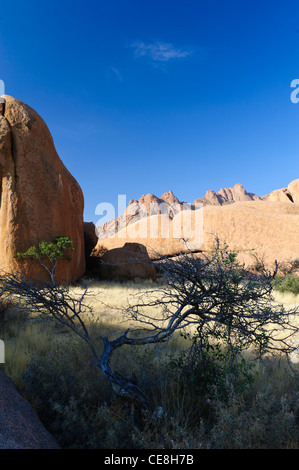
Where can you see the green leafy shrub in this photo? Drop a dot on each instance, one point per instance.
(210, 369)
(289, 283)
(48, 254)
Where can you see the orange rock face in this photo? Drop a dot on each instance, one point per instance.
(149, 205)
(40, 199)
(127, 262)
(266, 226)
(270, 228)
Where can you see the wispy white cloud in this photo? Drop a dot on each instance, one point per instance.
(113, 71)
(159, 52)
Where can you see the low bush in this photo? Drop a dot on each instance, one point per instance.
(210, 367)
(289, 283)
(202, 404)
(265, 422)
(74, 403)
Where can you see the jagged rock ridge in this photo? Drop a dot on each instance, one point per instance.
(168, 203)
(267, 227)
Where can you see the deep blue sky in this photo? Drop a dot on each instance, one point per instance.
(148, 96)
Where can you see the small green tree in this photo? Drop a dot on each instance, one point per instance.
(48, 254)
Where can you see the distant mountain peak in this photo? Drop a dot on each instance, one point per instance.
(148, 204)
(236, 193)
(170, 198)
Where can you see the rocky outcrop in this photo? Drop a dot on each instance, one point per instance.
(280, 195)
(39, 198)
(294, 191)
(270, 228)
(170, 198)
(127, 262)
(137, 209)
(225, 196)
(268, 224)
(289, 194)
(149, 205)
(20, 427)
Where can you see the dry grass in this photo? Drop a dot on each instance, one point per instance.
(109, 299)
(24, 339)
(54, 348)
(287, 299)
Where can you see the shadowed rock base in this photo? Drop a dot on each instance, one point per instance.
(20, 427)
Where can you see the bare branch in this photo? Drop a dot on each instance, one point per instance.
(212, 293)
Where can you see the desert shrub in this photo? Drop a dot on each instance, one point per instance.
(164, 431)
(265, 422)
(12, 318)
(228, 408)
(210, 371)
(211, 366)
(74, 403)
(3, 310)
(289, 283)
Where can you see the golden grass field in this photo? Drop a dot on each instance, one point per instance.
(26, 342)
(107, 299)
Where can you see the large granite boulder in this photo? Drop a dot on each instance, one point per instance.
(128, 262)
(39, 198)
(20, 427)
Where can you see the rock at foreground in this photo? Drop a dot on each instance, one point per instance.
(20, 427)
(40, 199)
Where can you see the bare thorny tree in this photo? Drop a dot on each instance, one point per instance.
(213, 294)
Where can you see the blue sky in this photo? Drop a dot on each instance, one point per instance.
(156, 95)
